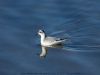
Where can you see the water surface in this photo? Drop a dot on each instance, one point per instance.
(20, 21)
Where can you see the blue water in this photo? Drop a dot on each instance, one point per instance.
(20, 21)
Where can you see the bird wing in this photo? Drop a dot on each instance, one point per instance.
(53, 40)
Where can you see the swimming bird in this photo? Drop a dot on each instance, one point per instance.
(48, 41)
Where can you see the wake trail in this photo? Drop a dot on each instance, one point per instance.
(77, 50)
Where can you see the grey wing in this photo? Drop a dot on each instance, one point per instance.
(54, 40)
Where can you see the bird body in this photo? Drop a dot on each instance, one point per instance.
(49, 41)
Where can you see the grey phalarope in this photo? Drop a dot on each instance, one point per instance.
(47, 41)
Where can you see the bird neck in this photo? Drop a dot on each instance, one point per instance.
(43, 37)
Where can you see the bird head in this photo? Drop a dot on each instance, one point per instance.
(41, 32)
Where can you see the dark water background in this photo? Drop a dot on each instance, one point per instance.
(20, 21)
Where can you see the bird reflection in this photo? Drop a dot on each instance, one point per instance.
(45, 49)
(43, 52)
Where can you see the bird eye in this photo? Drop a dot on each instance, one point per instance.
(40, 32)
